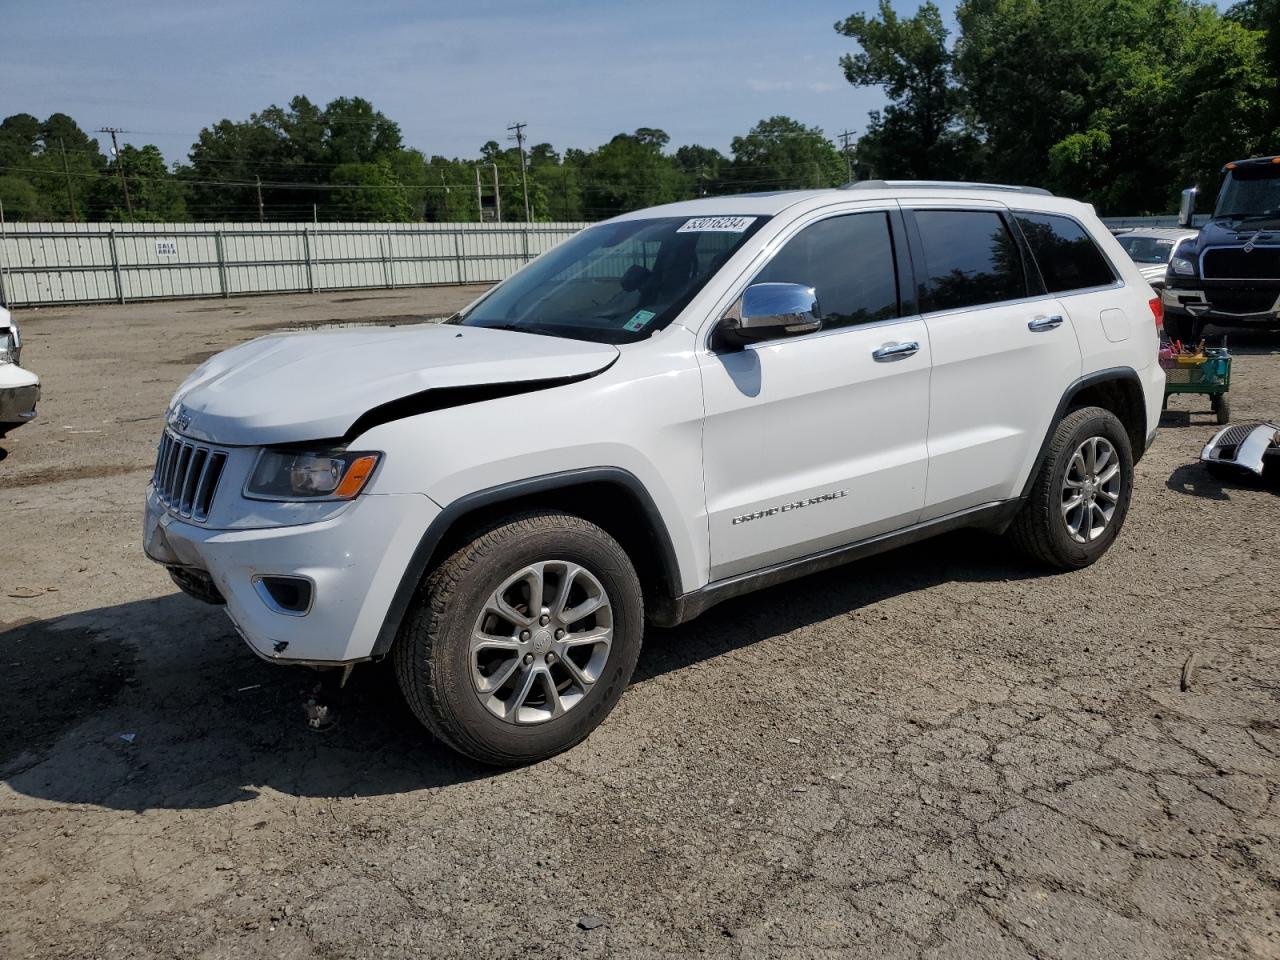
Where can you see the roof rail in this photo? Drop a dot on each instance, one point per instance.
(940, 184)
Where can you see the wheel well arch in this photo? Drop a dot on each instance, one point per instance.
(612, 498)
(1119, 391)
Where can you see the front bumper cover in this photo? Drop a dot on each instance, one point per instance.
(355, 561)
(19, 394)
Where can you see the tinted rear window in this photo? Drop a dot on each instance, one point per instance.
(1067, 255)
(970, 259)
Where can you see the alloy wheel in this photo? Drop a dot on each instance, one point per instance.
(1091, 489)
(541, 642)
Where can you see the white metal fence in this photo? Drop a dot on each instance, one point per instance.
(54, 263)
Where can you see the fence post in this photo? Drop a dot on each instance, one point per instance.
(306, 247)
(115, 265)
(391, 263)
(526, 243)
(222, 264)
(386, 276)
(457, 255)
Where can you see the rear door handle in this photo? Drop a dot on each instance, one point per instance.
(895, 351)
(1044, 323)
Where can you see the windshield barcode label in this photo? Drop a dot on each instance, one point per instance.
(716, 225)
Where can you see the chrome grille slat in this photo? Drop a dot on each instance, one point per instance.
(186, 475)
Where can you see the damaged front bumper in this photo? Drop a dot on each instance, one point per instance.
(1245, 447)
(351, 563)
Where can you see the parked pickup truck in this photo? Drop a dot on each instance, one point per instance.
(667, 410)
(1229, 274)
(19, 388)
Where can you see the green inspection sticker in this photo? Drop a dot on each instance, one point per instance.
(638, 322)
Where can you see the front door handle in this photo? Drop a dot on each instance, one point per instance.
(1044, 323)
(895, 351)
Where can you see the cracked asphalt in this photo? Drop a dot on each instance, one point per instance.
(936, 753)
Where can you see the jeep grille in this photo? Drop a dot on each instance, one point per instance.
(187, 476)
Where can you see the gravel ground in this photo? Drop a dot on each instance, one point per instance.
(935, 753)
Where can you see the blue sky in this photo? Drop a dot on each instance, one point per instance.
(453, 75)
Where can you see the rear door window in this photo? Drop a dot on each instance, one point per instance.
(1067, 255)
(970, 258)
(849, 261)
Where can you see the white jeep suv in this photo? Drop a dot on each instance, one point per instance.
(667, 410)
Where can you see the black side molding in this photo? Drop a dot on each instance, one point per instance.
(440, 526)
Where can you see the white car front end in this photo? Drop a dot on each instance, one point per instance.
(19, 388)
(238, 512)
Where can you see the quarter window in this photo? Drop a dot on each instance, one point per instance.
(970, 258)
(849, 261)
(1067, 255)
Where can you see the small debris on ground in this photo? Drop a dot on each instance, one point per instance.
(589, 922)
(1189, 671)
(128, 737)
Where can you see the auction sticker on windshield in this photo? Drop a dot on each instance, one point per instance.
(716, 225)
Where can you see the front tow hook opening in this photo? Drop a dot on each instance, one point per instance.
(197, 583)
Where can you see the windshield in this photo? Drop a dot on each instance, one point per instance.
(1147, 249)
(1250, 194)
(617, 282)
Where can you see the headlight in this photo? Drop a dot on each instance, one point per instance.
(11, 344)
(1182, 267)
(310, 475)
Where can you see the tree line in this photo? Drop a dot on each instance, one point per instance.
(1118, 102)
(347, 161)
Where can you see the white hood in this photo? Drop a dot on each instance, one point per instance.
(310, 386)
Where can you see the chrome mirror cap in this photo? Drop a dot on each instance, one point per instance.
(1187, 209)
(772, 310)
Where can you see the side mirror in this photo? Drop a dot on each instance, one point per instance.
(1187, 209)
(768, 310)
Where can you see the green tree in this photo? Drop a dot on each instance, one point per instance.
(920, 133)
(155, 194)
(780, 153)
(370, 192)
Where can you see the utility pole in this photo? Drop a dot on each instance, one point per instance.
(497, 195)
(845, 136)
(71, 194)
(261, 213)
(115, 150)
(524, 167)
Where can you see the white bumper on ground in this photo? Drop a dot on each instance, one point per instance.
(354, 561)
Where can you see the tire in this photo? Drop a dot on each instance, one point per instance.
(1042, 529)
(1222, 407)
(440, 674)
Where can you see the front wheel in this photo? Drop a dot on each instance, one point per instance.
(1081, 494)
(523, 640)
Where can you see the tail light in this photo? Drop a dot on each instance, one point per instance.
(1157, 311)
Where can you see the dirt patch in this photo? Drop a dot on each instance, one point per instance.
(941, 752)
(342, 323)
(49, 475)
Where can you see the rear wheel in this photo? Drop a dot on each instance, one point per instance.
(1081, 494)
(523, 640)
